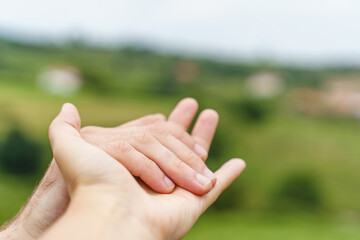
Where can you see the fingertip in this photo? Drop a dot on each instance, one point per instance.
(210, 175)
(235, 165)
(211, 114)
(238, 162)
(170, 185)
(67, 106)
(200, 151)
(163, 190)
(189, 101)
(160, 185)
(184, 112)
(187, 105)
(231, 169)
(205, 183)
(70, 115)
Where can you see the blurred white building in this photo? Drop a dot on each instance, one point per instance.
(61, 79)
(264, 85)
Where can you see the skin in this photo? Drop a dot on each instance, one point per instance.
(155, 150)
(107, 202)
(51, 198)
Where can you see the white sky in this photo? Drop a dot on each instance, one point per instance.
(303, 30)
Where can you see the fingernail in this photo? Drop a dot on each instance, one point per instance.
(200, 150)
(168, 182)
(202, 180)
(210, 175)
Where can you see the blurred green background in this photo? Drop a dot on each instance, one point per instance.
(296, 127)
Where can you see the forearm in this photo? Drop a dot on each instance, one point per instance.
(46, 204)
(94, 216)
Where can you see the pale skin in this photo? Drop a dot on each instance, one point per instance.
(51, 198)
(107, 202)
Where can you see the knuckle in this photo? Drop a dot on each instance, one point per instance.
(180, 165)
(191, 158)
(158, 127)
(168, 155)
(146, 167)
(121, 147)
(179, 133)
(143, 137)
(149, 165)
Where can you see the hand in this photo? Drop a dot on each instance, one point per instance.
(50, 199)
(101, 190)
(155, 150)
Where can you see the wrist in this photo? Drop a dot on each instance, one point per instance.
(97, 212)
(114, 212)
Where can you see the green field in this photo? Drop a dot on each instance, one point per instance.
(273, 227)
(283, 149)
(321, 150)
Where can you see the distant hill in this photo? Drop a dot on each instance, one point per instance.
(140, 69)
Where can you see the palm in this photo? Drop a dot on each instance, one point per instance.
(84, 164)
(174, 214)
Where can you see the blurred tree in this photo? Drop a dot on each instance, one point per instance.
(19, 154)
(232, 198)
(252, 110)
(298, 191)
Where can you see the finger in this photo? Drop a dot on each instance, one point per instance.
(140, 166)
(225, 176)
(186, 155)
(178, 171)
(184, 113)
(149, 119)
(204, 129)
(187, 139)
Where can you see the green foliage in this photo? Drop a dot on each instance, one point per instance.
(252, 110)
(231, 199)
(233, 225)
(298, 191)
(19, 155)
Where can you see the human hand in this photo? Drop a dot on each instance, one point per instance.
(50, 199)
(104, 186)
(155, 149)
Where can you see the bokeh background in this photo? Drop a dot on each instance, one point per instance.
(283, 75)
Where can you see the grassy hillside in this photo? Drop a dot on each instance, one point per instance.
(302, 171)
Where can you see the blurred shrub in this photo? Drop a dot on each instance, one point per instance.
(218, 146)
(235, 196)
(298, 191)
(19, 155)
(96, 79)
(168, 86)
(230, 199)
(252, 110)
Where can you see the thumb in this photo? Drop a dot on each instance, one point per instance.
(66, 125)
(64, 138)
